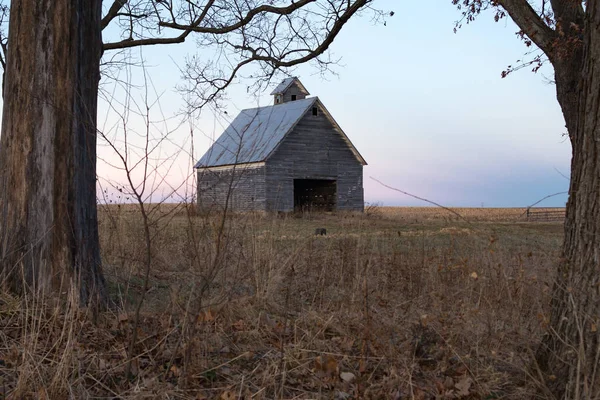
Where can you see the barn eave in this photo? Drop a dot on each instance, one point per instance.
(356, 153)
(243, 166)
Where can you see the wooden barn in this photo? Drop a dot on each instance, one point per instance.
(291, 156)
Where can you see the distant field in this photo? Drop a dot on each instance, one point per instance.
(395, 303)
(470, 214)
(513, 214)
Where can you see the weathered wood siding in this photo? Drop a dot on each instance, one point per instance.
(314, 150)
(294, 89)
(246, 190)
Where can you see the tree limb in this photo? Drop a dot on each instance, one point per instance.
(268, 55)
(335, 30)
(531, 24)
(128, 43)
(112, 12)
(251, 14)
(195, 26)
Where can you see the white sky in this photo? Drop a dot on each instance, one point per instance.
(425, 107)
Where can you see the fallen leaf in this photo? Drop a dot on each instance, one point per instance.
(326, 365)
(474, 275)
(174, 370)
(347, 343)
(362, 366)
(439, 385)
(418, 394)
(462, 387)
(227, 395)
(448, 383)
(206, 316)
(347, 377)
(239, 325)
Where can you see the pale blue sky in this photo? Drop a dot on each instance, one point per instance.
(426, 108)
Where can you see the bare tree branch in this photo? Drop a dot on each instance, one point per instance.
(251, 14)
(113, 12)
(128, 43)
(531, 24)
(272, 35)
(268, 35)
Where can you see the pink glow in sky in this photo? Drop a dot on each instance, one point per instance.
(425, 107)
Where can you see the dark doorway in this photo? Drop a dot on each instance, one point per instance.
(315, 194)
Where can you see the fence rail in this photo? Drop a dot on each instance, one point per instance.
(546, 215)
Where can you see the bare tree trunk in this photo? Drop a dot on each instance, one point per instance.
(48, 216)
(570, 354)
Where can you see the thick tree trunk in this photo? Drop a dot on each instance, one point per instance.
(570, 354)
(48, 218)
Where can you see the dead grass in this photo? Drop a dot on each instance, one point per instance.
(397, 303)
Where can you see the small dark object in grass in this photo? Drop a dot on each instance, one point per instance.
(321, 231)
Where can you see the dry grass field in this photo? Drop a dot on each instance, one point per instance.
(395, 303)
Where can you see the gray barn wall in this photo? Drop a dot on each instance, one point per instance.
(293, 89)
(247, 194)
(313, 150)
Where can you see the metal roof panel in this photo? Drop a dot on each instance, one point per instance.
(254, 134)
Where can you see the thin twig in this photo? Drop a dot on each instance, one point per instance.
(422, 199)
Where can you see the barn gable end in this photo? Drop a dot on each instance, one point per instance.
(315, 150)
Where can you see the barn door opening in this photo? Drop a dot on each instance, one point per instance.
(315, 194)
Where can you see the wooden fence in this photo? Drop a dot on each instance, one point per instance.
(545, 215)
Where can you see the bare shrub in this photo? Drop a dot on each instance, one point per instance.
(373, 209)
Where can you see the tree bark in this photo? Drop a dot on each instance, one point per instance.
(570, 353)
(48, 217)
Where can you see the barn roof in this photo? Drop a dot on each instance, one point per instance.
(255, 133)
(286, 83)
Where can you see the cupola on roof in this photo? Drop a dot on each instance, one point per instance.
(290, 89)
